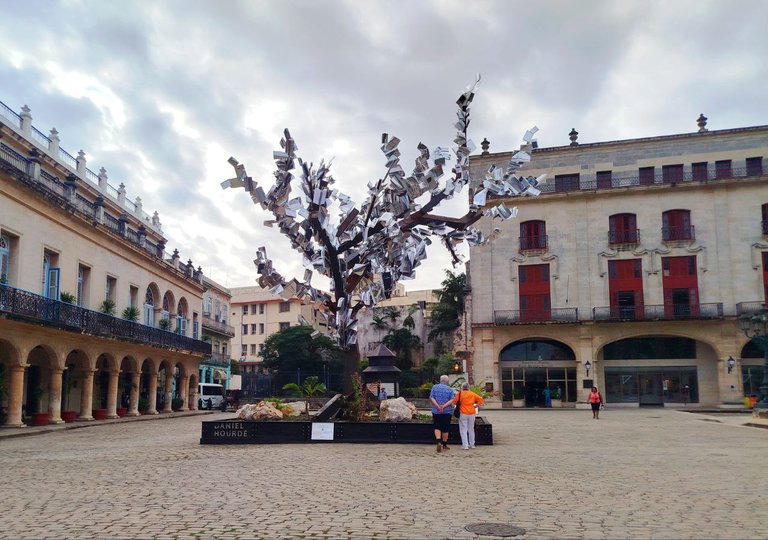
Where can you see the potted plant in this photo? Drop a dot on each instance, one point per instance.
(164, 324)
(518, 398)
(67, 382)
(177, 403)
(107, 307)
(143, 405)
(311, 387)
(557, 399)
(39, 418)
(67, 298)
(131, 314)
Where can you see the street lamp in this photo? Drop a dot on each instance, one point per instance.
(755, 327)
(457, 367)
(730, 363)
(587, 366)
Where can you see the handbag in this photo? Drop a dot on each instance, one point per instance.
(456, 411)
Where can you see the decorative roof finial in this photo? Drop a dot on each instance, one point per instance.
(485, 145)
(573, 135)
(702, 123)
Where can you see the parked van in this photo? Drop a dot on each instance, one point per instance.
(209, 396)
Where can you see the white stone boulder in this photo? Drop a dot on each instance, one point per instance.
(263, 410)
(294, 408)
(396, 410)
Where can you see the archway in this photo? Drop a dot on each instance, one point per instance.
(76, 364)
(10, 371)
(37, 380)
(752, 368)
(533, 368)
(127, 386)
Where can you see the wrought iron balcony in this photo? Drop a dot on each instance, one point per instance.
(749, 308)
(529, 316)
(533, 243)
(664, 312)
(216, 326)
(675, 234)
(27, 306)
(218, 359)
(624, 236)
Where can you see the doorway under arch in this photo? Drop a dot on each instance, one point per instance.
(531, 366)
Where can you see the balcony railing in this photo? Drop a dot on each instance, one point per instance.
(749, 308)
(216, 326)
(678, 233)
(530, 243)
(665, 312)
(218, 359)
(24, 305)
(528, 316)
(624, 236)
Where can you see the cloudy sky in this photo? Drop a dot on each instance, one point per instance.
(160, 93)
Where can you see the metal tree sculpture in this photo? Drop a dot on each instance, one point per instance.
(372, 248)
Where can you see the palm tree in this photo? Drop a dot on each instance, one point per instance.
(408, 322)
(401, 342)
(392, 313)
(311, 387)
(379, 323)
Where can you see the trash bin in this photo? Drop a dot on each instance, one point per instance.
(752, 401)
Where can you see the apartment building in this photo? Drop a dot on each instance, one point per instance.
(629, 272)
(97, 320)
(216, 330)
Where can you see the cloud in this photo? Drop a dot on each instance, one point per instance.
(162, 93)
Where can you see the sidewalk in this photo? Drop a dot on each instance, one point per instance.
(8, 433)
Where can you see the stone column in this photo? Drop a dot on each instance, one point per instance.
(152, 408)
(86, 395)
(195, 398)
(15, 396)
(133, 404)
(54, 397)
(168, 393)
(112, 394)
(184, 391)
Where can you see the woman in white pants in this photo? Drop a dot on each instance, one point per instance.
(467, 400)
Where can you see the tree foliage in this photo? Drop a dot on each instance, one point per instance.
(295, 348)
(446, 315)
(402, 342)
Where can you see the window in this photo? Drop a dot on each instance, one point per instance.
(224, 348)
(672, 174)
(284, 326)
(261, 328)
(723, 168)
(149, 308)
(83, 283)
(764, 209)
(245, 309)
(754, 166)
(207, 306)
(5, 259)
(110, 290)
(253, 329)
(566, 182)
(285, 307)
(181, 317)
(699, 171)
(253, 309)
(51, 275)
(243, 350)
(647, 176)
(676, 225)
(245, 330)
(133, 296)
(604, 179)
(253, 349)
(195, 327)
(533, 235)
(261, 309)
(622, 229)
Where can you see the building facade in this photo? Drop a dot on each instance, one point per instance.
(628, 272)
(96, 319)
(216, 330)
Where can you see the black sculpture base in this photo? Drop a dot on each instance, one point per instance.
(287, 431)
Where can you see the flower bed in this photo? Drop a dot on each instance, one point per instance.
(238, 431)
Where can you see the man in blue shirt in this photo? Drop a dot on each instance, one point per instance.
(442, 397)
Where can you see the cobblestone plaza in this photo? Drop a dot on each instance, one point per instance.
(635, 473)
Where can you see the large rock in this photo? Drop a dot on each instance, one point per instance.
(294, 408)
(263, 410)
(396, 410)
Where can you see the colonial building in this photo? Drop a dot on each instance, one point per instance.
(629, 272)
(96, 319)
(216, 367)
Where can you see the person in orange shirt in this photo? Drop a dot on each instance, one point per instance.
(467, 400)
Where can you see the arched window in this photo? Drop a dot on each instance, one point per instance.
(149, 307)
(676, 225)
(5, 258)
(622, 229)
(533, 235)
(536, 350)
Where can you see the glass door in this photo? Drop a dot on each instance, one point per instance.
(651, 388)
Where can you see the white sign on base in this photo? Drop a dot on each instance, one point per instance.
(322, 431)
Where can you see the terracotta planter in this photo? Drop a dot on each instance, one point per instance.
(69, 416)
(99, 414)
(40, 419)
(122, 411)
